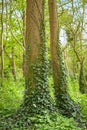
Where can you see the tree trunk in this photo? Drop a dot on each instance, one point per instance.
(23, 22)
(82, 82)
(36, 96)
(63, 101)
(2, 45)
(13, 65)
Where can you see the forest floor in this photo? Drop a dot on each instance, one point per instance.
(11, 96)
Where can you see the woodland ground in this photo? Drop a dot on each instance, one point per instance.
(11, 96)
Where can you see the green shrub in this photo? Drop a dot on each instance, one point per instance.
(11, 95)
(54, 122)
(73, 87)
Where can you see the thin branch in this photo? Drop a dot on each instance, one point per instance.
(20, 43)
(65, 3)
(76, 53)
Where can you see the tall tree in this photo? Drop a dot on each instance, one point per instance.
(2, 44)
(23, 23)
(13, 50)
(36, 96)
(63, 99)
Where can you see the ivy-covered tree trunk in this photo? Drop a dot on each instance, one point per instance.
(63, 101)
(82, 81)
(36, 98)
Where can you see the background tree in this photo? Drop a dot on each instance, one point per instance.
(2, 43)
(22, 102)
(74, 28)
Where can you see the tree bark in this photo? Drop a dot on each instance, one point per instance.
(2, 44)
(36, 97)
(82, 81)
(14, 65)
(23, 22)
(63, 100)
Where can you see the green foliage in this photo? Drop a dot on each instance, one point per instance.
(85, 1)
(39, 98)
(73, 87)
(11, 95)
(44, 122)
(54, 122)
(51, 88)
(63, 18)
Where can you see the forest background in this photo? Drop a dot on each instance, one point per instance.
(43, 64)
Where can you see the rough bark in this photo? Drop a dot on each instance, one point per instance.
(36, 96)
(63, 100)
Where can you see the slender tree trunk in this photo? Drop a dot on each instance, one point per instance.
(82, 81)
(14, 65)
(63, 101)
(2, 44)
(73, 7)
(23, 21)
(13, 53)
(36, 96)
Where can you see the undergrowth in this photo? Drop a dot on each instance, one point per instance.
(11, 96)
(77, 96)
(47, 121)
